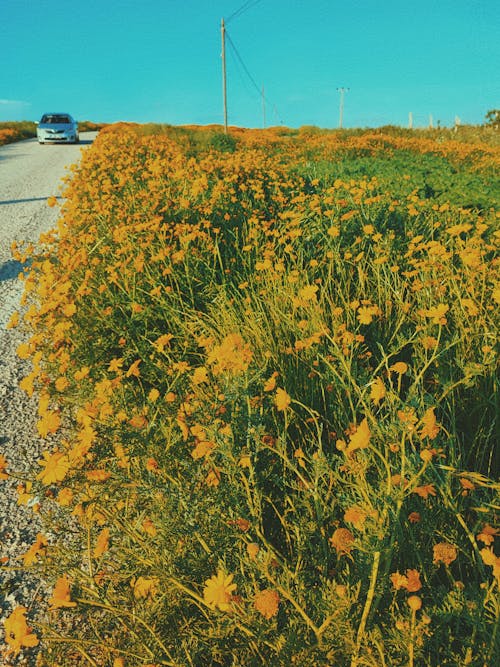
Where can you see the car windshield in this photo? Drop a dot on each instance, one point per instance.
(51, 119)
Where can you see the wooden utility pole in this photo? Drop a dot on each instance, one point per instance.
(410, 120)
(263, 109)
(224, 84)
(341, 111)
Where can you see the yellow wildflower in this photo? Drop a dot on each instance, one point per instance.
(377, 392)
(3, 467)
(252, 550)
(17, 632)
(487, 534)
(444, 552)
(213, 478)
(437, 314)
(399, 368)
(414, 584)
(233, 355)
(200, 375)
(97, 475)
(266, 602)
(425, 490)
(270, 384)
(398, 580)
(282, 400)
(38, 548)
(61, 595)
(430, 428)
(56, 468)
(342, 541)
(49, 423)
(102, 543)
(149, 528)
(203, 448)
(153, 395)
(134, 369)
(489, 558)
(414, 602)
(144, 586)
(308, 293)
(360, 439)
(355, 515)
(218, 591)
(64, 497)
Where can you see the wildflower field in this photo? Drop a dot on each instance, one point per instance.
(268, 378)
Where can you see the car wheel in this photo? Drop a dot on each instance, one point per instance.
(41, 143)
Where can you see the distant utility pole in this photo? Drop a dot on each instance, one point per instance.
(410, 120)
(224, 84)
(341, 111)
(431, 122)
(263, 109)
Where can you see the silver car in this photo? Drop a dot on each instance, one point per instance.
(55, 127)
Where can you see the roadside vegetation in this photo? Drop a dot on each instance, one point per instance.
(17, 131)
(268, 379)
(203, 137)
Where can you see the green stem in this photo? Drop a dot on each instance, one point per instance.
(113, 610)
(411, 647)
(366, 610)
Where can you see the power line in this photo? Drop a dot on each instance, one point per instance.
(242, 9)
(225, 36)
(236, 52)
(260, 90)
(242, 75)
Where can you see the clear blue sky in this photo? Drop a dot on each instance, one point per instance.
(160, 60)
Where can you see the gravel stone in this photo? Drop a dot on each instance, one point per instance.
(29, 174)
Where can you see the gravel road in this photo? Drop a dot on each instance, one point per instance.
(29, 174)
